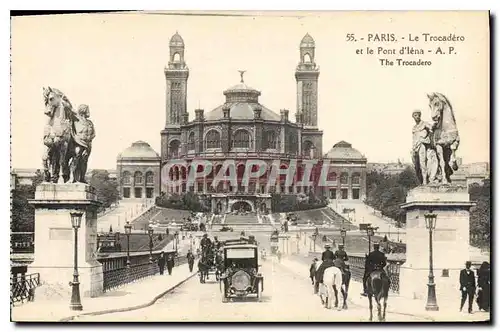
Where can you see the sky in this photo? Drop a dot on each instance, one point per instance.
(115, 62)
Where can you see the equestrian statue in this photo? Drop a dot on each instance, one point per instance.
(435, 143)
(67, 138)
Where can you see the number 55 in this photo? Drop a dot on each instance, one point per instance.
(350, 37)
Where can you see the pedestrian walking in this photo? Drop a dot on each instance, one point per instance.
(484, 284)
(161, 262)
(170, 263)
(312, 270)
(467, 286)
(190, 259)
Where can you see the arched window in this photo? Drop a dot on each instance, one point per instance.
(191, 141)
(307, 149)
(174, 149)
(332, 176)
(150, 179)
(355, 178)
(127, 179)
(177, 57)
(270, 140)
(293, 143)
(307, 58)
(344, 178)
(138, 179)
(212, 139)
(241, 139)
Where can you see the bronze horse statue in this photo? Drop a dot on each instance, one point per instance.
(445, 135)
(67, 138)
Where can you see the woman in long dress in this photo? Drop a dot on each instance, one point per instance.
(483, 283)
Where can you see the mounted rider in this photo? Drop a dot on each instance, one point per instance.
(340, 253)
(217, 243)
(205, 242)
(328, 253)
(376, 260)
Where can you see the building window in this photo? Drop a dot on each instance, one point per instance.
(241, 139)
(200, 187)
(149, 192)
(355, 178)
(343, 193)
(138, 192)
(270, 140)
(150, 179)
(344, 178)
(126, 192)
(138, 179)
(174, 148)
(333, 194)
(191, 141)
(355, 194)
(212, 140)
(307, 149)
(127, 180)
(332, 176)
(263, 188)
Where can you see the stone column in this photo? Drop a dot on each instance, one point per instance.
(54, 237)
(450, 240)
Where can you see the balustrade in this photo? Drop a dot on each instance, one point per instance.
(22, 287)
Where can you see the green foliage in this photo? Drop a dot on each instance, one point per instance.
(387, 192)
(299, 202)
(480, 215)
(188, 201)
(23, 213)
(106, 188)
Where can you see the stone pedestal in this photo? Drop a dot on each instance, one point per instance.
(450, 240)
(54, 237)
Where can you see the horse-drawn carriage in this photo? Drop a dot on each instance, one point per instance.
(210, 263)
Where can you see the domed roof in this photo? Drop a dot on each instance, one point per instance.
(307, 41)
(242, 111)
(176, 40)
(344, 150)
(138, 150)
(241, 87)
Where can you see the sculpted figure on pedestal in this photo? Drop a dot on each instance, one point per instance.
(67, 138)
(435, 143)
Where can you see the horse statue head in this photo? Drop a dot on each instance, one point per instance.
(54, 99)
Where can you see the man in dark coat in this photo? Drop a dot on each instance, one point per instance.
(327, 254)
(375, 260)
(205, 241)
(340, 253)
(467, 285)
(170, 263)
(161, 262)
(190, 259)
(483, 285)
(312, 270)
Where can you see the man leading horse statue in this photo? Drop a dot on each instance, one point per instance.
(67, 138)
(435, 143)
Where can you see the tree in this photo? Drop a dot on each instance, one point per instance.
(22, 212)
(480, 215)
(106, 188)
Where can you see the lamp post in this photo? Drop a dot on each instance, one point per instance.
(430, 224)
(314, 239)
(75, 304)
(370, 233)
(150, 233)
(343, 234)
(128, 230)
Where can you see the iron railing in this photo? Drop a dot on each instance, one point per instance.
(116, 273)
(22, 287)
(357, 267)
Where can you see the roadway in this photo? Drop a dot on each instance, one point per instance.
(287, 296)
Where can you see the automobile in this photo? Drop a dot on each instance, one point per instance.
(226, 229)
(241, 276)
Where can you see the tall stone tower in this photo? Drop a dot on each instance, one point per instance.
(306, 75)
(176, 76)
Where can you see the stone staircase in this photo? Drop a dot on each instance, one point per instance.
(126, 210)
(232, 219)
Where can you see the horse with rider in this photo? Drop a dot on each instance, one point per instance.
(376, 282)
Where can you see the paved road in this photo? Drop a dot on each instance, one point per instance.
(286, 297)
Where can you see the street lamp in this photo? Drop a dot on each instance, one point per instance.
(75, 304)
(314, 238)
(430, 224)
(343, 234)
(370, 232)
(128, 230)
(150, 232)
